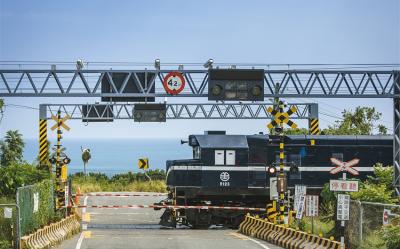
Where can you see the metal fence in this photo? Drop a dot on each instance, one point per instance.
(9, 226)
(36, 204)
(367, 218)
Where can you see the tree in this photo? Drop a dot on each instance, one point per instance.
(85, 158)
(363, 121)
(11, 148)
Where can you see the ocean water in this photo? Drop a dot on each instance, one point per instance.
(113, 156)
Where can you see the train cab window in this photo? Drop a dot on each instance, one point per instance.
(230, 157)
(338, 156)
(196, 152)
(219, 157)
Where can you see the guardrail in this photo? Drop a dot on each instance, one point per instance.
(283, 236)
(52, 234)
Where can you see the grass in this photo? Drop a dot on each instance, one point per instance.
(372, 241)
(320, 227)
(94, 183)
(324, 228)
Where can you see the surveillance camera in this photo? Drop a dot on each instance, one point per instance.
(157, 64)
(209, 63)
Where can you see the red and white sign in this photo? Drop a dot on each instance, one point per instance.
(385, 217)
(174, 83)
(342, 185)
(345, 166)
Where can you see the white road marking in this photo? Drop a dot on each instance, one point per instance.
(82, 236)
(78, 245)
(255, 241)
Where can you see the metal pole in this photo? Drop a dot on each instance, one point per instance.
(281, 171)
(18, 232)
(360, 225)
(342, 223)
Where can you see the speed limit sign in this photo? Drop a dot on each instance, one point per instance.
(174, 83)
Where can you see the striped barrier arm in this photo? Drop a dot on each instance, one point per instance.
(170, 206)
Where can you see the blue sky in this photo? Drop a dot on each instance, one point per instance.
(182, 31)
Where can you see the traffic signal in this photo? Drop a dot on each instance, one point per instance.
(150, 113)
(271, 171)
(294, 169)
(66, 160)
(236, 84)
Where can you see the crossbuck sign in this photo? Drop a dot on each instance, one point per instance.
(344, 166)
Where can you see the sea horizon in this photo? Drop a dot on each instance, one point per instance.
(115, 156)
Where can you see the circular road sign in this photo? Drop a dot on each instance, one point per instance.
(174, 83)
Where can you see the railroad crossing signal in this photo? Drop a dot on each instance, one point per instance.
(60, 122)
(344, 166)
(282, 117)
(143, 163)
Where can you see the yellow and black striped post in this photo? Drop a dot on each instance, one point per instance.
(43, 142)
(314, 126)
(281, 118)
(281, 171)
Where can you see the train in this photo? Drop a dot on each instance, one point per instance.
(234, 171)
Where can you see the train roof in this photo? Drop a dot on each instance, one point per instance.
(329, 139)
(222, 141)
(241, 141)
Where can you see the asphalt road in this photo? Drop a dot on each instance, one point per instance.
(138, 228)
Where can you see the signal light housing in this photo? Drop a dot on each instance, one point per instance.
(271, 171)
(236, 84)
(66, 160)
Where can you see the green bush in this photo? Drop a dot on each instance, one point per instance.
(391, 235)
(5, 244)
(18, 175)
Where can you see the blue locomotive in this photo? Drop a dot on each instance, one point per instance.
(232, 170)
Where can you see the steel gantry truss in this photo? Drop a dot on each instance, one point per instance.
(103, 111)
(293, 83)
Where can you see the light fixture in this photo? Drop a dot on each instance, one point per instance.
(79, 64)
(209, 63)
(157, 64)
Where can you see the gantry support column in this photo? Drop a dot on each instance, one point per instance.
(313, 121)
(43, 144)
(396, 133)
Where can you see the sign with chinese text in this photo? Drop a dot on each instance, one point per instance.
(343, 185)
(300, 207)
(343, 207)
(312, 205)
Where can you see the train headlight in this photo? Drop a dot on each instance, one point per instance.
(272, 170)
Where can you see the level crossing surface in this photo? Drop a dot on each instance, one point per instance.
(122, 228)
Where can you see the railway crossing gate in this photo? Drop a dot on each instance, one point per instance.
(281, 118)
(144, 85)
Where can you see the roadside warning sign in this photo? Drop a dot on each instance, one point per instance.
(344, 166)
(343, 185)
(312, 205)
(343, 207)
(174, 83)
(299, 190)
(143, 163)
(385, 217)
(300, 207)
